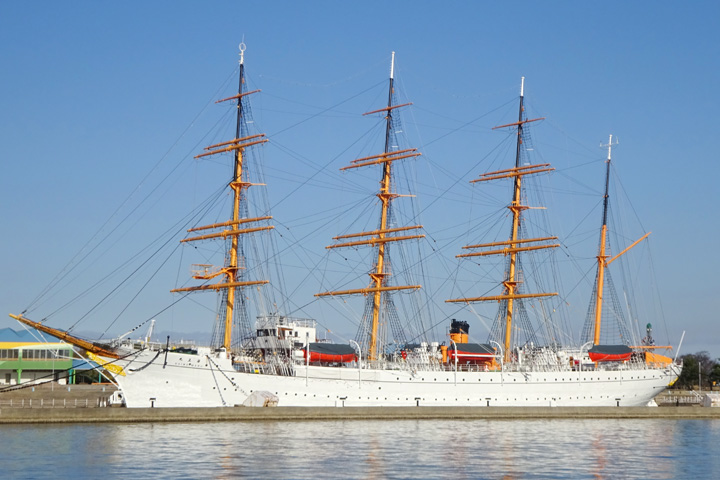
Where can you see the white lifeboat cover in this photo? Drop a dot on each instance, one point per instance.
(261, 399)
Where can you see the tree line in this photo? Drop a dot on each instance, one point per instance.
(699, 370)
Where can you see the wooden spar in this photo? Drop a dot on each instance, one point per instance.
(230, 148)
(238, 96)
(507, 251)
(366, 291)
(383, 155)
(651, 347)
(517, 169)
(67, 337)
(627, 248)
(519, 123)
(220, 286)
(234, 141)
(498, 244)
(376, 232)
(229, 223)
(375, 241)
(382, 159)
(497, 298)
(387, 109)
(513, 172)
(227, 233)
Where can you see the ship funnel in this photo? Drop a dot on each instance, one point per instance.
(459, 331)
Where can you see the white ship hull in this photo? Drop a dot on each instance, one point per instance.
(182, 380)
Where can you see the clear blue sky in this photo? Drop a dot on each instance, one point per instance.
(94, 94)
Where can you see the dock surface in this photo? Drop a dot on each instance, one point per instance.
(245, 414)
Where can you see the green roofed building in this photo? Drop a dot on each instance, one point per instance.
(25, 359)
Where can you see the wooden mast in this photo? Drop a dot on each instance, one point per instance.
(231, 271)
(603, 257)
(512, 249)
(379, 238)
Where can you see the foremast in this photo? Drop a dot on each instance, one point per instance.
(516, 244)
(382, 236)
(232, 277)
(603, 258)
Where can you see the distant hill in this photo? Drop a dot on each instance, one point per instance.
(10, 335)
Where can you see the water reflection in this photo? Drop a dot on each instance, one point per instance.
(509, 449)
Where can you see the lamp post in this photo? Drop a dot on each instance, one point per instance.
(359, 350)
(502, 355)
(456, 355)
(581, 353)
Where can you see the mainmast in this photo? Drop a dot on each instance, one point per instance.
(379, 238)
(512, 247)
(231, 273)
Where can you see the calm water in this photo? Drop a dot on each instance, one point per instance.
(567, 449)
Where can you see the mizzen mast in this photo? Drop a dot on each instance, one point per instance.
(232, 273)
(381, 237)
(515, 244)
(603, 257)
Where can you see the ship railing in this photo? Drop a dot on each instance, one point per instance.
(284, 369)
(678, 398)
(469, 367)
(267, 321)
(103, 401)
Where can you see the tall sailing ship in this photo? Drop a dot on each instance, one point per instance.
(283, 362)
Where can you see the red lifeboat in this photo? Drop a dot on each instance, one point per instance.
(610, 353)
(330, 353)
(473, 353)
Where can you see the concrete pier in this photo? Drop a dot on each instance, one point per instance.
(53, 403)
(244, 414)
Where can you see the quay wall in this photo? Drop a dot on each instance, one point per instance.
(152, 415)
